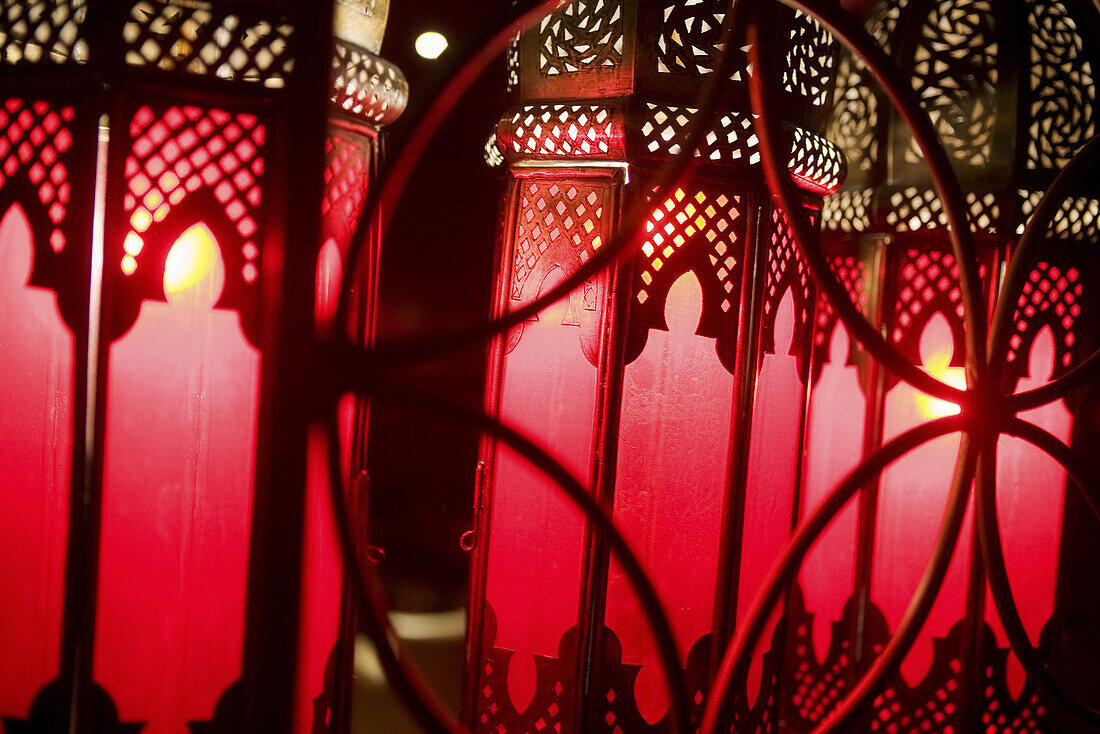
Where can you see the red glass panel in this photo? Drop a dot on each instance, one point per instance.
(670, 484)
(182, 399)
(834, 446)
(322, 589)
(36, 383)
(1030, 498)
(772, 467)
(548, 391)
(330, 269)
(912, 500)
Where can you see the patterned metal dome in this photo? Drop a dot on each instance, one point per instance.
(1010, 87)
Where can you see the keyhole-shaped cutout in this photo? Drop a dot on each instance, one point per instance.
(194, 271)
(16, 257)
(937, 347)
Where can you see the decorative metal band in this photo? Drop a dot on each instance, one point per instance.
(905, 209)
(198, 40)
(362, 22)
(574, 131)
(493, 157)
(367, 87)
(53, 37)
(1077, 220)
(620, 132)
(847, 211)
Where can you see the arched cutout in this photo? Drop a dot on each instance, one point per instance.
(16, 260)
(194, 270)
(684, 304)
(937, 350)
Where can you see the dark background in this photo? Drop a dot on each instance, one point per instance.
(436, 274)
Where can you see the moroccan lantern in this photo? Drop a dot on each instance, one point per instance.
(712, 398)
(672, 382)
(1010, 92)
(175, 215)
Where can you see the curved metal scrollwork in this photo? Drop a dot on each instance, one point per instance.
(987, 412)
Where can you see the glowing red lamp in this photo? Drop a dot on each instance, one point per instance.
(673, 382)
(167, 561)
(709, 395)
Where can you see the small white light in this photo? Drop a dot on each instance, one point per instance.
(431, 44)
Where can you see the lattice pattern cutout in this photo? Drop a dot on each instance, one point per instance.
(552, 213)
(883, 21)
(182, 151)
(1028, 717)
(1051, 296)
(174, 35)
(815, 161)
(580, 131)
(1063, 87)
(37, 31)
(847, 211)
(689, 41)
(955, 74)
(812, 689)
(680, 219)
(815, 697)
(1078, 218)
(810, 60)
(496, 712)
(367, 86)
(347, 170)
(1003, 714)
(930, 707)
(914, 209)
(853, 276)
(854, 120)
(786, 271)
(763, 718)
(929, 283)
(513, 64)
(581, 36)
(493, 157)
(619, 706)
(665, 129)
(35, 139)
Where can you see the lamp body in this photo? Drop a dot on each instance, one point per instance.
(642, 381)
(712, 398)
(996, 80)
(166, 291)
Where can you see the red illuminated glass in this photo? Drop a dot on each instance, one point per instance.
(670, 484)
(182, 402)
(36, 387)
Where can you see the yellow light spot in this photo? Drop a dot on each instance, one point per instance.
(431, 45)
(938, 365)
(194, 260)
(140, 220)
(133, 244)
(129, 265)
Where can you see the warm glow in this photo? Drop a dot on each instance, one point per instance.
(431, 44)
(938, 365)
(193, 259)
